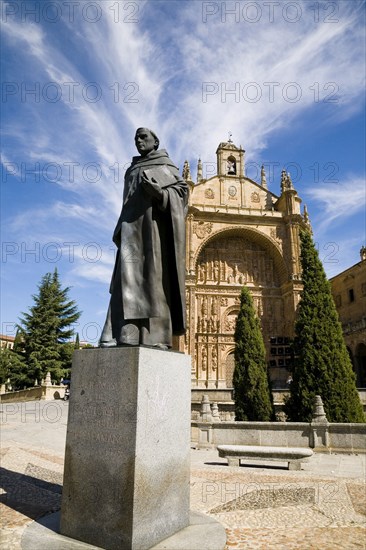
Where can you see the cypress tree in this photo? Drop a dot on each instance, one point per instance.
(322, 365)
(252, 395)
(47, 328)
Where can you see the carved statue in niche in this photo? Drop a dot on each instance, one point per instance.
(202, 273)
(255, 271)
(204, 306)
(214, 358)
(216, 271)
(199, 272)
(204, 358)
(214, 306)
(235, 272)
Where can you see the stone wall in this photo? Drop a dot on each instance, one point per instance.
(209, 431)
(33, 394)
(321, 437)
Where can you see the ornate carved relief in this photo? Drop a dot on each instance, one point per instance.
(201, 229)
(230, 321)
(223, 266)
(209, 194)
(235, 260)
(254, 197)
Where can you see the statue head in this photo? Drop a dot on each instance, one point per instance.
(146, 141)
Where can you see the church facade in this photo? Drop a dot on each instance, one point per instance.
(239, 233)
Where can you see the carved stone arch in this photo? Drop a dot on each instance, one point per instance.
(251, 234)
(230, 309)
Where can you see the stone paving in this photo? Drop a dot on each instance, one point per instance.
(322, 507)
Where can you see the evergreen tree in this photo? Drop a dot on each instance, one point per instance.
(14, 369)
(322, 365)
(47, 328)
(253, 398)
(19, 342)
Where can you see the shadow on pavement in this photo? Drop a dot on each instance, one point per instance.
(29, 495)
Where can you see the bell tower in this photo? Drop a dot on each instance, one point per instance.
(230, 159)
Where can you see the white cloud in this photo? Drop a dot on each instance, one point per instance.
(338, 202)
(168, 65)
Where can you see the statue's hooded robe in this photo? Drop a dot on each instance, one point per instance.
(148, 282)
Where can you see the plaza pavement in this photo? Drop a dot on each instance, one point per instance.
(321, 507)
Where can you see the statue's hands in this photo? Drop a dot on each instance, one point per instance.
(152, 187)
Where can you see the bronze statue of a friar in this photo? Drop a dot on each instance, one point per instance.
(147, 304)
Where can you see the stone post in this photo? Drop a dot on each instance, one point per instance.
(215, 413)
(204, 424)
(206, 415)
(319, 427)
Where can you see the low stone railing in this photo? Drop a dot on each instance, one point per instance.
(46, 391)
(322, 436)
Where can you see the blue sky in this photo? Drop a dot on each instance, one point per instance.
(285, 78)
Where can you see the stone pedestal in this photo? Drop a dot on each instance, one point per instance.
(127, 460)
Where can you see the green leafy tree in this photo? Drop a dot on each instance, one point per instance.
(322, 365)
(253, 398)
(46, 329)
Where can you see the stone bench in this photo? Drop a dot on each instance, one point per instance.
(293, 455)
